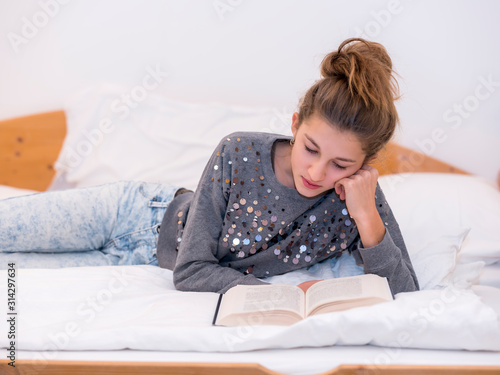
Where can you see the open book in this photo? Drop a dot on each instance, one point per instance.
(281, 304)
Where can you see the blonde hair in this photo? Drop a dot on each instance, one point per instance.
(356, 94)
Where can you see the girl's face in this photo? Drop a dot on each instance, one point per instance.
(322, 155)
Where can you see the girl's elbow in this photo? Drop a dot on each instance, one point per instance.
(181, 282)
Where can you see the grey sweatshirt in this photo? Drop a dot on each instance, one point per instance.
(242, 224)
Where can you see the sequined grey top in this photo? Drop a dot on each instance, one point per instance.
(241, 224)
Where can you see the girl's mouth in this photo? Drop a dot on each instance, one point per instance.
(308, 184)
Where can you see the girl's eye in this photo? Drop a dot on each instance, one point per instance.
(311, 150)
(314, 152)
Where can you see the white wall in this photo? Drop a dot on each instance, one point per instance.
(265, 53)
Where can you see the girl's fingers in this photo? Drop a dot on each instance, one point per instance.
(340, 190)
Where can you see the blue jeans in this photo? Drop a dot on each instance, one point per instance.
(112, 224)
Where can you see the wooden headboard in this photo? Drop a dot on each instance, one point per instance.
(29, 146)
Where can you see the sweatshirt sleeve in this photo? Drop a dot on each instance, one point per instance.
(197, 266)
(389, 258)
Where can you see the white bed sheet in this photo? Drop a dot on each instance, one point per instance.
(137, 307)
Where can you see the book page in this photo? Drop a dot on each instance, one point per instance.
(347, 288)
(256, 298)
(277, 297)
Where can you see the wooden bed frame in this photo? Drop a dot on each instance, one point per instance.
(29, 147)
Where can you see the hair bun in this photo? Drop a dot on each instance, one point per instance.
(353, 56)
(336, 65)
(364, 65)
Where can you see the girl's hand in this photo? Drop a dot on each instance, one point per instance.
(358, 191)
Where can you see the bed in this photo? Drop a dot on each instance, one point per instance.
(130, 320)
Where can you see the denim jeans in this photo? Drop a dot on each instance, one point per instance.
(112, 224)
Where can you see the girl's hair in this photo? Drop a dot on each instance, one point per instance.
(357, 93)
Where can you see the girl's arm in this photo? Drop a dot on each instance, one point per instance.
(358, 191)
(381, 247)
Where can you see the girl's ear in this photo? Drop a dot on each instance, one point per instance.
(295, 123)
(372, 159)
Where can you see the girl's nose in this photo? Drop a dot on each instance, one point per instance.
(317, 171)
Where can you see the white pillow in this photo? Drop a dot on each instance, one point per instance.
(490, 275)
(467, 274)
(428, 205)
(112, 136)
(434, 261)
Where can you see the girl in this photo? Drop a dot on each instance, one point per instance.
(265, 205)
